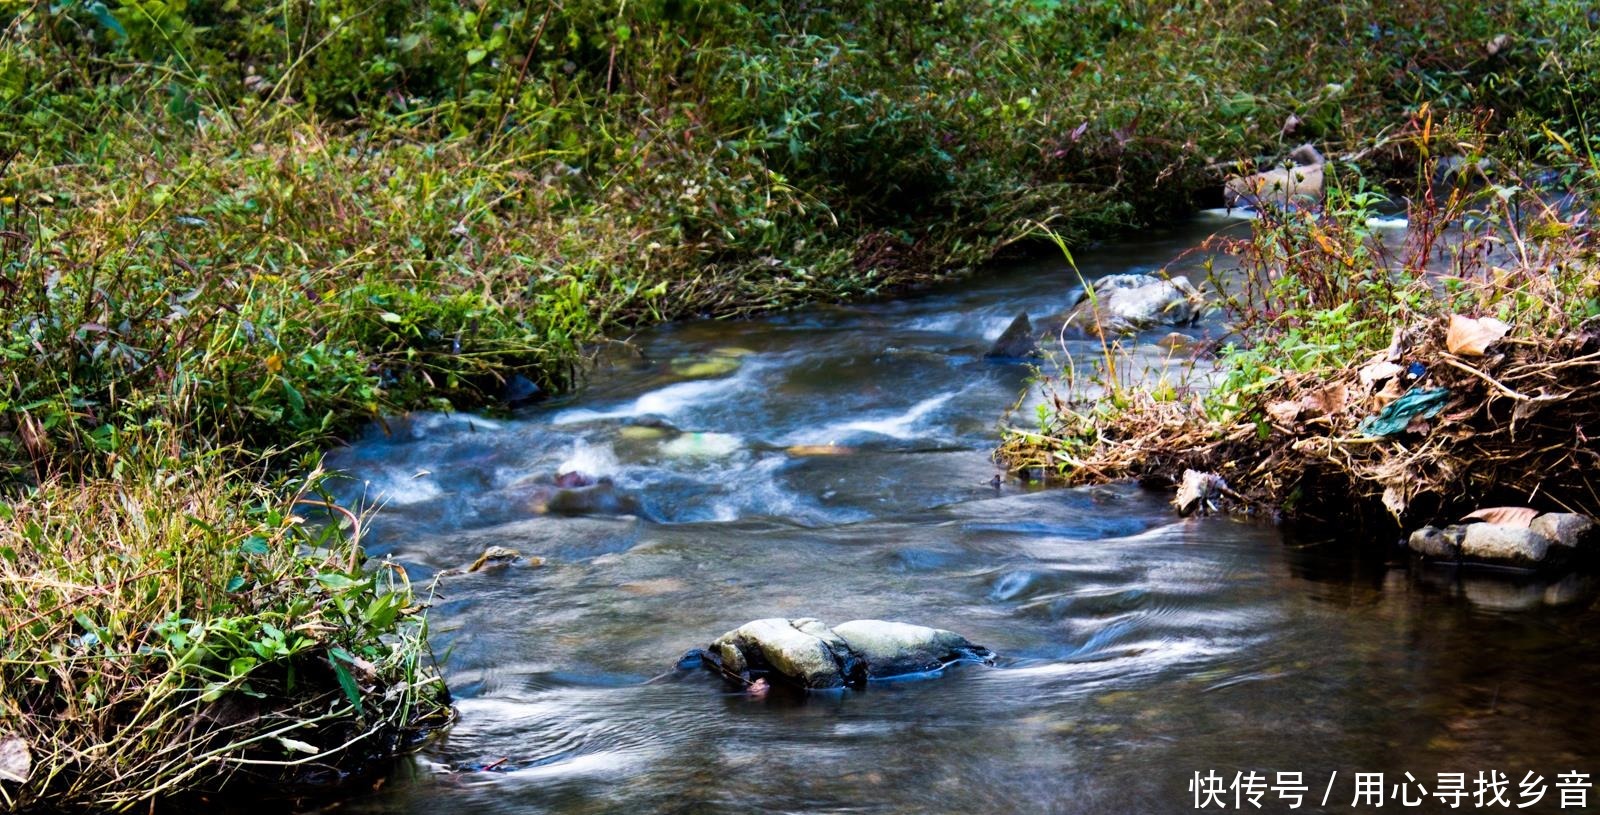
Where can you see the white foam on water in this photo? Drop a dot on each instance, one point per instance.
(962, 323)
(610, 762)
(755, 490)
(1388, 222)
(1231, 213)
(665, 402)
(898, 426)
(426, 425)
(589, 459)
(395, 489)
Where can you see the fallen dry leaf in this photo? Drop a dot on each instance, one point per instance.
(1471, 337)
(1283, 412)
(15, 761)
(1394, 500)
(1325, 401)
(1379, 371)
(1514, 517)
(1392, 391)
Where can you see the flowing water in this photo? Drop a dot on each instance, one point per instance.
(835, 463)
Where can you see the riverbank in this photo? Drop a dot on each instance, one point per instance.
(156, 649)
(238, 236)
(1402, 384)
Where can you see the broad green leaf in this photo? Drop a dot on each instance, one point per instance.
(339, 658)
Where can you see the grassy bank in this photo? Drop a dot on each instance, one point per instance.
(184, 630)
(268, 226)
(230, 234)
(1409, 383)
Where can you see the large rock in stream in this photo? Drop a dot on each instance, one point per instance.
(895, 649)
(806, 653)
(1124, 303)
(1017, 341)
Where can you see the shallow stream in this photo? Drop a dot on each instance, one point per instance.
(835, 463)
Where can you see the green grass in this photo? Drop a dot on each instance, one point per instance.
(266, 227)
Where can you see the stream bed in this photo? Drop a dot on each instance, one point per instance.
(835, 463)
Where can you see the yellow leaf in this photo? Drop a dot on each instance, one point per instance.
(1471, 337)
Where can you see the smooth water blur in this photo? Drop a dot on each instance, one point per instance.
(836, 463)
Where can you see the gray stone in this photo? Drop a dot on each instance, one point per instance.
(1297, 183)
(806, 653)
(1306, 155)
(1016, 342)
(1126, 303)
(1505, 545)
(803, 651)
(1569, 529)
(895, 649)
(1431, 541)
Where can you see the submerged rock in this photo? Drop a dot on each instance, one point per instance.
(702, 445)
(494, 558)
(807, 653)
(578, 494)
(720, 362)
(1016, 342)
(814, 450)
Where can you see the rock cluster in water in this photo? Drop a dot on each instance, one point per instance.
(1550, 539)
(807, 653)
